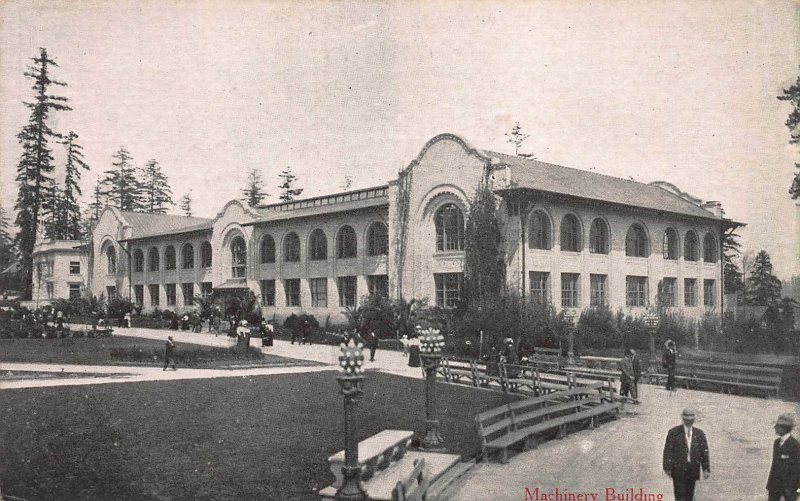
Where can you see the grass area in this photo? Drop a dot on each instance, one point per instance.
(260, 437)
(120, 350)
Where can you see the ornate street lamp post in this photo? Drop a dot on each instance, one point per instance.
(651, 323)
(571, 318)
(351, 360)
(431, 345)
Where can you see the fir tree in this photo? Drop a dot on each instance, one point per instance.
(52, 214)
(98, 203)
(732, 274)
(347, 184)
(287, 187)
(6, 242)
(762, 288)
(484, 265)
(120, 184)
(517, 137)
(792, 94)
(186, 204)
(155, 188)
(35, 168)
(72, 228)
(254, 191)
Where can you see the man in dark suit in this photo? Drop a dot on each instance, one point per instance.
(784, 476)
(685, 453)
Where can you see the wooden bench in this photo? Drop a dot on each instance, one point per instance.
(454, 370)
(727, 377)
(546, 358)
(414, 487)
(486, 373)
(520, 422)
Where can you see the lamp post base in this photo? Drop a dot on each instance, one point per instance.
(433, 441)
(351, 489)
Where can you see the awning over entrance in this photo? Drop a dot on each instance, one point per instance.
(232, 284)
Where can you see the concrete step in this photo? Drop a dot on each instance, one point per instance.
(438, 489)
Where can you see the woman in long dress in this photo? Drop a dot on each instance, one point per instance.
(413, 351)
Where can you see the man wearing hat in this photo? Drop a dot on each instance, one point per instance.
(169, 353)
(784, 475)
(685, 453)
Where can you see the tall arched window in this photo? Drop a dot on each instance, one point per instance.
(598, 237)
(153, 261)
(378, 239)
(449, 221)
(346, 243)
(317, 245)
(670, 244)
(267, 249)
(291, 248)
(636, 241)
(690, 246)
(187, 257)
(539, 234)
(238, 257)
(138, 261)
(111, 256)
(169, 258)
(709, 248)
(206, 255)
(571, 240)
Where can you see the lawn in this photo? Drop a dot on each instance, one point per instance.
(261, 437)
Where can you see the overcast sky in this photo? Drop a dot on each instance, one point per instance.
(682, 92)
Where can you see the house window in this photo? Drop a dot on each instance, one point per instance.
(238, 257)
(690, 291)
(153, 259)
(708, 293)
(205, 255)
(138, 261)
(709, 248)
(378, 239)
(569, 289)
(636, 241)
(188, 294)
(169, 258)
(268, 292)
(318, 246)
(598, 237)
(267, 249)
(347, 291)
(636, 291)
(570, 234)
(539, 234)
(154, 294)
(319, 292)
(111, 257)
(111, 291)
(187, 257)
(138, 294)
(378, 285)
(346, 243)
(598, 290)
(172, 298)
(291, 248)
(449, 222)
(668, 291)
(74, 267)
(670, 244)
(448, 289)
(690, 246)
(206, 289)
(291, 287)
(75, 291)
(540, 287)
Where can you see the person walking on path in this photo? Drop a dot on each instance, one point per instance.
(637, 375)
(372, 344)
(169, 353)
(243, 334)
(404, 344)
(626, 376)
(685, 454)
(413, 351)
(784, 474)
(669, 360)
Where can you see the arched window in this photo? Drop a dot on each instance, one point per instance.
(267, 249)
(205, 255)
(539, 234)
(690, 246)
(449, 223)
(378, 239)
(238, 257)
(153, 259)
(187, 257)
(317, 245)
(346, 243)
(636, 242)
(291, 248)
(169, 258)
(571, 240)
(111, 255)
(598, 237)
(138, 260)
(670, 244)
(709, 248)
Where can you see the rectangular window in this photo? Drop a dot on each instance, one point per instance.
(540, 287)
(448, 289)
(188, 294)
(569, 289)
(708, 293)
(172, 298)
(74, 267)
(690, 291)
(378, 285)
(292, 289)
(111, 291)
(74, 291)
(668, 291)
(636, 291)
(598, 290)
(206, 289)
(154, 294)
(347, 291)
(319, 292)
(268, 292)
(138, 294)
(49, 290)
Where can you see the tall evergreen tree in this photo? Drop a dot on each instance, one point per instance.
(98, 203)
(762, 288)
(72, 228)
(52, 215)
(186, 204)
(155, 188)
(287, 187)
(732, 274)
(484, 265)
(517, 137)
(254, 191)
(120, 184)
(792, 94)
(6, 242)
(35, 168)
